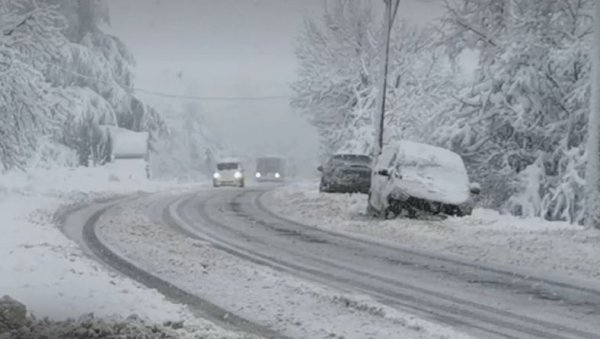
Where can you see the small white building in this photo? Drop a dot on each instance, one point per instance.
(130, 153)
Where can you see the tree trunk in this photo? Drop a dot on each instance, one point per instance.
(593, 144)
(85, 17)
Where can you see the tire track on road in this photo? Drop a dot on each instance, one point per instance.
(407, 252)
(503, 322)
(201, 307)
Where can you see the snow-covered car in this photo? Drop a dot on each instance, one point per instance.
(270, 169)
(229, 172)
(411, 178)
(346, 173)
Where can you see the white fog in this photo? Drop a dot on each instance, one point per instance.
(299, 169)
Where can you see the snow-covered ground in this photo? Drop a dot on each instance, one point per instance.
(555, 249)
(47, 272)
(280, 301)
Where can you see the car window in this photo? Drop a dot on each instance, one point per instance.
(353, 158)
(269, 164)
(228, 166)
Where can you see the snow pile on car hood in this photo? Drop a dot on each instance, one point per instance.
(427, 172)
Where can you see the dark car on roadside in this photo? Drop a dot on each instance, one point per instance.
(346, 173)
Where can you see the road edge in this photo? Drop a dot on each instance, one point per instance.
(104, 255)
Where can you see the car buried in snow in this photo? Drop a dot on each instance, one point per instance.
(346, 173)
(229, 172)
(270, 169)
(412, 179)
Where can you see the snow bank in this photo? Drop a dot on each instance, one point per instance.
(50, 274)
(15, 323)
(114, 178)
(532, 244)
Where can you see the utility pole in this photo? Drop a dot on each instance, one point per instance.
(391, 8)
(592, 171)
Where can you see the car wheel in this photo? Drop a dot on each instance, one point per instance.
(398, 208)
(462, 211)
(323, 187)
(411, 212)
(373, 212)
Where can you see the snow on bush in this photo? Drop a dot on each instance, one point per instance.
(16, 323)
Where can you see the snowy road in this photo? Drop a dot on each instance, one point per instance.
(220, 247)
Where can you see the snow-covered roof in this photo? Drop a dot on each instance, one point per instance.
(428, 172)
(229, 159)
(127, 143)
(270, 156)
(351, 153)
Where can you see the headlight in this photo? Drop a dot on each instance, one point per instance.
(277, 175)
(237, 175)
(216, 175)
(258, 174)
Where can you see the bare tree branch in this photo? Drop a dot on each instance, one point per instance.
(20, 24)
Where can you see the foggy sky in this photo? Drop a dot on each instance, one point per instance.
(228, 48)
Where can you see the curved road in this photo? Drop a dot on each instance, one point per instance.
(483, 301)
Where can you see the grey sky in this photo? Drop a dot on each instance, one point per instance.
(227, 48)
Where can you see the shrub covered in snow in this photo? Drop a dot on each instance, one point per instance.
(15, 323)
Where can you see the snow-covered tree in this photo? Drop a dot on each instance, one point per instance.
(62, 78)
(593, 146)
(102, 63)
(30, 39)
(421, 83)
(337, 58)
(520, 125)
(339, 76)
(524, 119)
(188, 150)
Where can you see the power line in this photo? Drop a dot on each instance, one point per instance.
(217, 98)
(176, 96)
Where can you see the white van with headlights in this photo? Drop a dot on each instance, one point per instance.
(229, 172)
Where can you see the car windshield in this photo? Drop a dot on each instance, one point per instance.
(228, 166)
(269, 165)
(353, 158)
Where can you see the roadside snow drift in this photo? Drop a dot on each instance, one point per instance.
(556, 249)
(47, 272)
